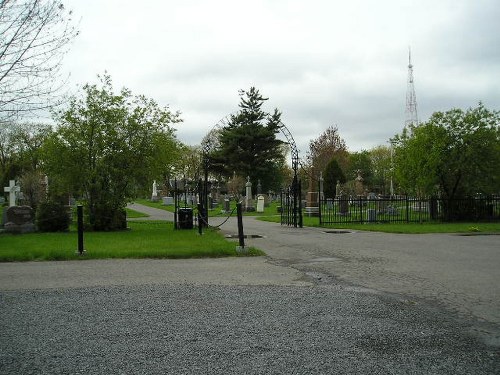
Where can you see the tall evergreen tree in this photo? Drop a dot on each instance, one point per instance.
(332, 175)
(248, 145)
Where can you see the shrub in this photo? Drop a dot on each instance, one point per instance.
(52, 217)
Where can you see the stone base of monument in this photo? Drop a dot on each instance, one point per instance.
(312, 211)
(19, 219)
(19, 229)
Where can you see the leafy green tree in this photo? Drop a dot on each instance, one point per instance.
(456, 153)
(332, 175)
(380, 157)
(248, 145)
(360, 163)
(107, 147)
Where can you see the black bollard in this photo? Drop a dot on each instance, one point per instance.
(241, 236)
(200, 217)
(79, 214)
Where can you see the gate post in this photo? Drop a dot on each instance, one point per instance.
(301, 224)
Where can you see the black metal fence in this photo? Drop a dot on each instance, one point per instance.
(407, 209)
(291, 205)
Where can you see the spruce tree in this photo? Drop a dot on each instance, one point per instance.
(248, 145)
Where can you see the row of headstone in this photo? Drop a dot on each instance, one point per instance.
(191, 199)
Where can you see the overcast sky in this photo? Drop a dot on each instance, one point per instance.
(321, 62)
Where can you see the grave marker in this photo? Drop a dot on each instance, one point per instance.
(19, 219)
(12, 189)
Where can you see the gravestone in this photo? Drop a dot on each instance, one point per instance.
(227, 206)
(312, 199)
(154, 194)
(358, 184)
(343, 205)
(329, 203)
(248, 198)
(260, 203)
(12, 189)
(168, 201)
(312, 206)
(19, 219)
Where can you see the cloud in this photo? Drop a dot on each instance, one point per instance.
(320, 62)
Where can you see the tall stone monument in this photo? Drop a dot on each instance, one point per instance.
(312, 199)
(154, 194)
(248, 196)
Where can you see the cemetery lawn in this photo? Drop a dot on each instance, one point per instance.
(407, 228)
(268, 210)
(145, 239)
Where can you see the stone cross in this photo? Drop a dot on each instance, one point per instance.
(12, 189)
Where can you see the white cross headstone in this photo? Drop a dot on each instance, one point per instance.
(12, 189)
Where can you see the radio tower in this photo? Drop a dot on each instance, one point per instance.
(411, 118)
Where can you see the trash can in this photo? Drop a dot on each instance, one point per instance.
(185, 218)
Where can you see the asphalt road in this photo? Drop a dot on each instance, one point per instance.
(461, 273)
(319, 303)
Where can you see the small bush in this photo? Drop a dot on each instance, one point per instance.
(52, 217)
(107, 218)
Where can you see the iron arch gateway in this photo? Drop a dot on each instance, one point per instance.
(291, 207)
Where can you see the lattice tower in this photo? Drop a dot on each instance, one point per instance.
(411, 117)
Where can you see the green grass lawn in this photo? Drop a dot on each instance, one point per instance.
(144, 240)
(415, 228)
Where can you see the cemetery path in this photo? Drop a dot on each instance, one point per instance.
(154, 213)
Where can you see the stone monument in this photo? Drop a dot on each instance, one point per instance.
(19, 219)
(154, 195)
(312, 199)
(260, 203)
(13, 190)
(248, 196)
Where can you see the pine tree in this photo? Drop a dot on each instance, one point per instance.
(248, 144)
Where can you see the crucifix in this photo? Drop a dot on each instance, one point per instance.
(12, 189)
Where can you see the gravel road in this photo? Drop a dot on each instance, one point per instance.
(190, 329)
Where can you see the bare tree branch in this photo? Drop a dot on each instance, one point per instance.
(34, 37)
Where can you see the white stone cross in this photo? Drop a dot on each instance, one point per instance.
(12, 189)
